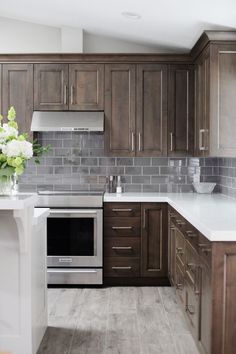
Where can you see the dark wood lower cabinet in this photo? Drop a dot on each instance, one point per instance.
(135, 243)
(154, 240)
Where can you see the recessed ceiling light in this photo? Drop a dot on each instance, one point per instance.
(131, 15)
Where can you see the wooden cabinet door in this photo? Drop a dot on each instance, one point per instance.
(205, 308)
(202, 97)
(151, 132)
(86, 83)
(154, 240)
(120, 109)
(180, 110)
(17, 91)
(50, 87)
(223, 102)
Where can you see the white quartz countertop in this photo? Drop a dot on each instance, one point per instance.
(214, 215)
(19, 201)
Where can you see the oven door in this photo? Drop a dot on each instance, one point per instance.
(74, 238)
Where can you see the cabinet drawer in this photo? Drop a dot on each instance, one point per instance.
(192, 309)
(205, 249)
(180, 284)
(121, 267)
(122, 247)
(192, 266)
(180, 249)
(115, 227)
(122, 209)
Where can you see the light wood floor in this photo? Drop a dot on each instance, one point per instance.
(117, 320)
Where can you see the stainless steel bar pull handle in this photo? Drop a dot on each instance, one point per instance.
(122, 227)
(72, 94)
(171, 141)
(201, 145)
(65, 94)
(122, 248)
(139, 142)
(132, 141)
(65, 260)
(122, 210)
(121, 268)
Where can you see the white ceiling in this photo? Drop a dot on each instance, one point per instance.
(165, 24)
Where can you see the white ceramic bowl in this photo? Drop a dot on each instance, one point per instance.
(204, 187)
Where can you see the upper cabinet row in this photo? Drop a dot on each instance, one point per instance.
(148, 107)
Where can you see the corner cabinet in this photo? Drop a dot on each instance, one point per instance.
(180, 110)
(17, 91)
(154, 240)
(60, 87)
(202, 104)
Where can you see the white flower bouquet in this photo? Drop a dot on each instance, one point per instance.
(15, 150)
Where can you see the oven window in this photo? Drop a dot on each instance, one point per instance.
(70, 236)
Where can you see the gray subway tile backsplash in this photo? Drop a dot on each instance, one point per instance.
(77, 161)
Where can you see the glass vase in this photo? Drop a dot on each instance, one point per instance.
(8, 185)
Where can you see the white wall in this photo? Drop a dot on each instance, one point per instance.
(25, 37)
(104, 44)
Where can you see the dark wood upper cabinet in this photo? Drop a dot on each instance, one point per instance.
(151, 128)
(17, 83)
(202, 104)
(86, 83)
(180, 110)
(50, 87)
(154, 240)
(120, 109)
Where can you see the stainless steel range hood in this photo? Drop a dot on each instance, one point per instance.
(67, 121)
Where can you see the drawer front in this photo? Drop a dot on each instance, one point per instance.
(192, 266)
(180, 284)
(191, 234)
(122, 247)
(122, 209)
(121, 267)
(192, 308)
(180, 249)
(116, 227)
(205, 249)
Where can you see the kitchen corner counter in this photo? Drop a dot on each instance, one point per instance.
(214, 215)
(16, 202)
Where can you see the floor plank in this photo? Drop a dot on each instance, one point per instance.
(116, 320)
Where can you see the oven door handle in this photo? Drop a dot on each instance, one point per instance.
(71, 271)
(72, 211)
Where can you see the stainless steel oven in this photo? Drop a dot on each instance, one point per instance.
(74, 237)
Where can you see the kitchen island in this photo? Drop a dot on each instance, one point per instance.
(23, 304)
